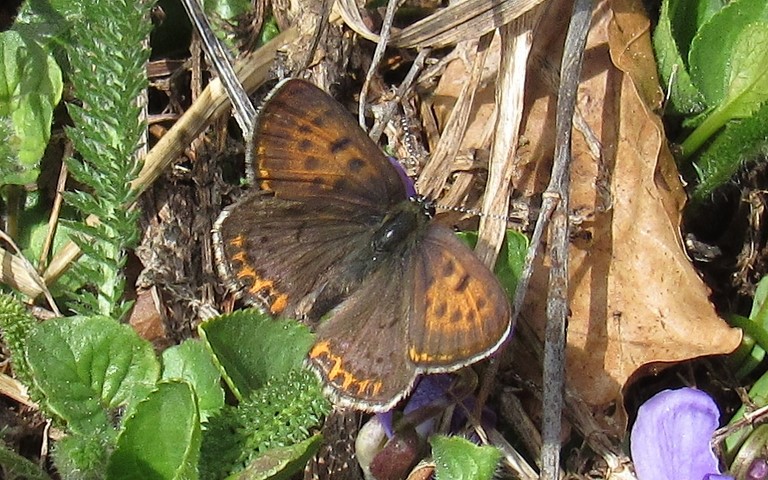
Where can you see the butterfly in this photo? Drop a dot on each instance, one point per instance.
(334, 234)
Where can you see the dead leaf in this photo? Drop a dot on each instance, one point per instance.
(635, 297)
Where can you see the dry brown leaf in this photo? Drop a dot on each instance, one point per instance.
(635, 297)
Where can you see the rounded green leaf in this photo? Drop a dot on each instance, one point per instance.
(191, 361)
(459, 459)
(251, 347)
(30, 87)
(88, 367)
(281, 463)
(161, 439)
(713, 47)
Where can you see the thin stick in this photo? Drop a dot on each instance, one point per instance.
(402, 90)
(53, 220)
(223, 64)
(556, 200)
(378, 54)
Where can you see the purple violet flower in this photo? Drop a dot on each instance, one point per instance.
(670, 439)
(410, 187)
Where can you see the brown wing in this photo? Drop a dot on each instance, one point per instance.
(294, 258)
(360, 351)
(459, 313)
(305, 145)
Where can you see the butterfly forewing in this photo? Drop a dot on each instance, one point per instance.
(460, 313)
(305, 145)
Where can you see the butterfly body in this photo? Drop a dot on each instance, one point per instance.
(334, 234)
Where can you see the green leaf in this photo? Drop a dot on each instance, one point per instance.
(30, 87)
(191, 361)
(15, 325)
(281, 413)
(755, 326)
(84, 456)
(727, 65)
(459, 459)
(758, 395)
(747, 85)
(740, 141)
(269, 30)
(671, 41)
(281, 463)
(88, 367)
(759, 311)
(227, 9)
(33, 230)
(509, 265)
(161, 440)
(714, 47)
(250, 347)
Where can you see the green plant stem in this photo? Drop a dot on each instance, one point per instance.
(704, 132)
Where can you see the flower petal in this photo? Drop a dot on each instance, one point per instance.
(670, 438)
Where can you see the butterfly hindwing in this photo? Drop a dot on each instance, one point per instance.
(360, 351)
(460, 313)
(295, 259)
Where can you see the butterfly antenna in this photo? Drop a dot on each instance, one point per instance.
(477, 213)
(414, 149)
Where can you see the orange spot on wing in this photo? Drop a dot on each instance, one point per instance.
(279, 304)
(341, 378)
(238, 242)
(246, 272)
(240, 257)
(260, 284)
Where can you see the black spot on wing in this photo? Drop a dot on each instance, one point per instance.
(355, 164)
(340, 144)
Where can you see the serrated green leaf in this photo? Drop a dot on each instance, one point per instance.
(281, 463)
(192, 362)
(459, 459)
(281, 413)
(84, 456)
(15, 325)
(87, 367)
(30, 87)
(250, 348)
(161, 439)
